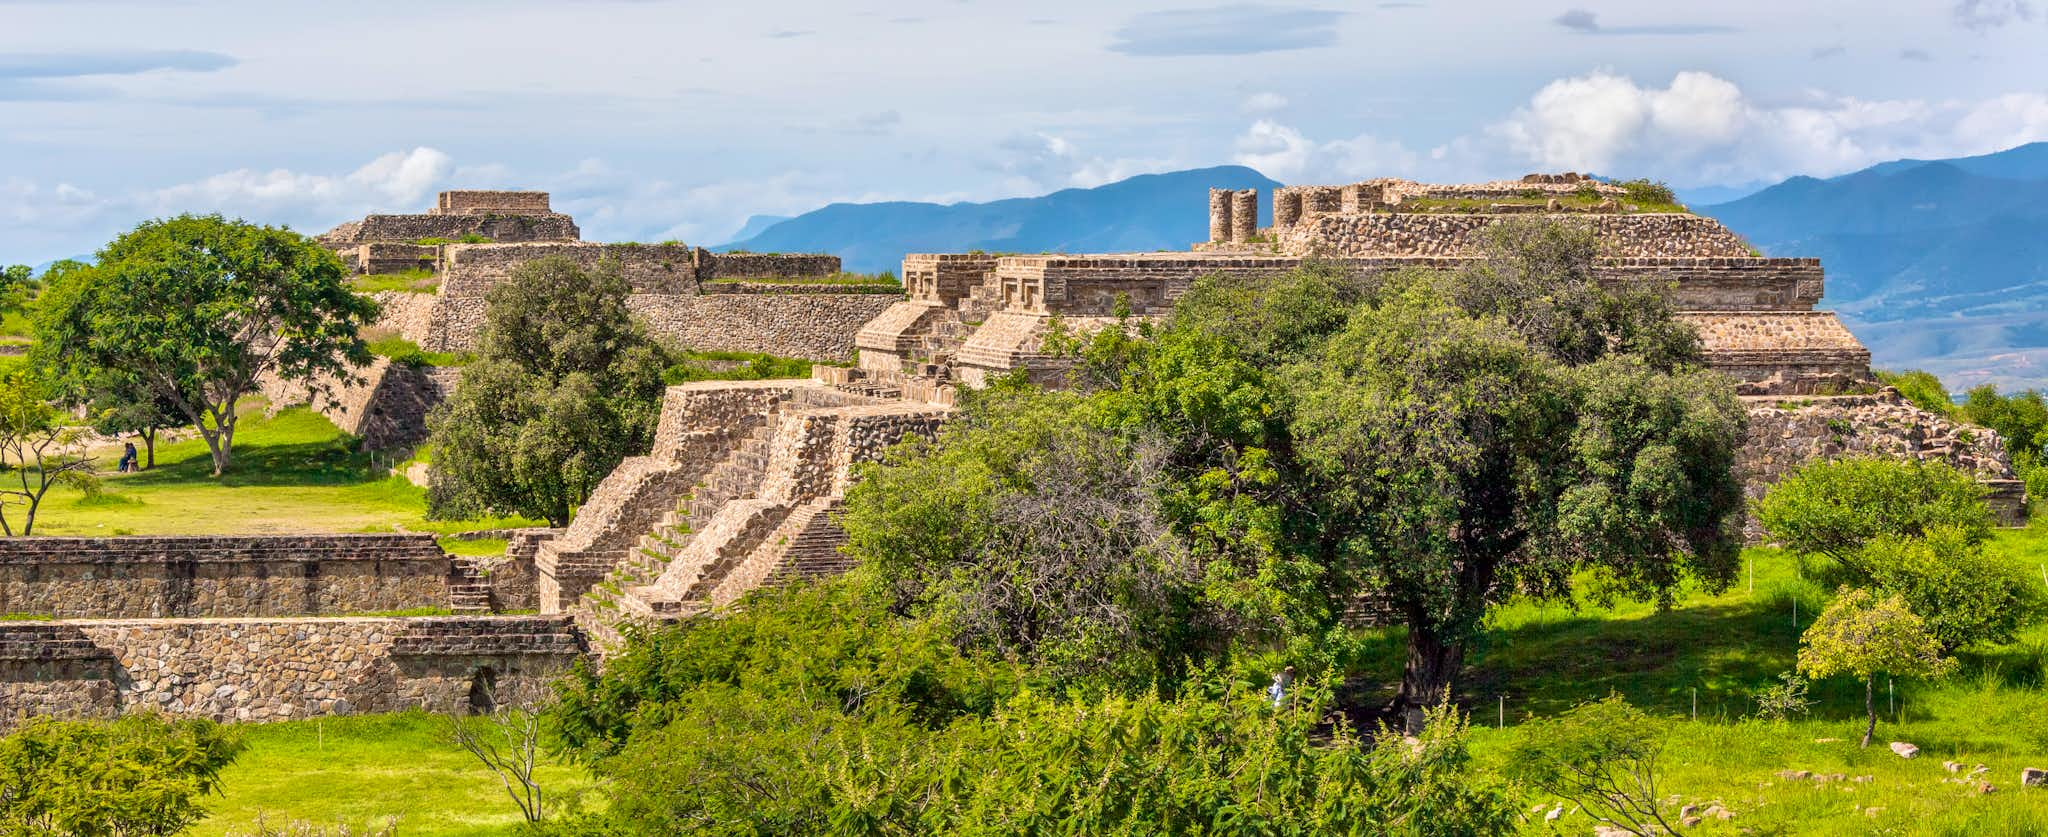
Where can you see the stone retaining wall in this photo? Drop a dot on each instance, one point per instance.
(1430, 234)
(204, 576)
(474, 269)
(764, 265)
(278, 669)
(498, 227)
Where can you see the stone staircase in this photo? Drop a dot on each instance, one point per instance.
(762, 515)
(30, 642)
(469, 587)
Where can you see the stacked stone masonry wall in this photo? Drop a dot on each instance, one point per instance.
(278, 669)
(500, 228)
(385, 405)
(474, 269)
(480, 201)
(1428, 234)
(763, 265)
(202, 576)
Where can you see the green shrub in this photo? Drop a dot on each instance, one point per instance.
(140, 774)
(1964, 595)
(1836, 508)
(1601, 756)
(1921, 388)
(1652, 195)
(733, 366)
(818, 711)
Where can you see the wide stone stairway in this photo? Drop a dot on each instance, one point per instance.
(739, 493)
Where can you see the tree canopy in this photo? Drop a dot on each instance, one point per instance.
(1444, 441)
(193, 310)
(565, 385)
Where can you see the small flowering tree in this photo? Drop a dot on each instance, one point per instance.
(1863, 635)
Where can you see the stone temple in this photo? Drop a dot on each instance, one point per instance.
(743, 481)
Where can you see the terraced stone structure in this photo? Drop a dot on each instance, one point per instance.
(970, 316)
(783, 304)
(738, 492)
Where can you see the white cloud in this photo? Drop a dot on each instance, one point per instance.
(397, 181)
(1284, 154)
(1702, 129)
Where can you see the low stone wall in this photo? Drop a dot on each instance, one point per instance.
(474, 269)
(760, 265)
(487, 201)
(201, 576)
(1430, 234)
(498, 227)
(279, 669)
(819, 326)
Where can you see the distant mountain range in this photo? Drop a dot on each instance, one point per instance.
(1935, 264)
(1147, 212)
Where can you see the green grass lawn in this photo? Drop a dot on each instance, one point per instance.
(295, 472)
(364, 770)
(1725, 647)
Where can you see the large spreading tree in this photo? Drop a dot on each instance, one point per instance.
(191, 311)
(1440, 441)
(565, 385)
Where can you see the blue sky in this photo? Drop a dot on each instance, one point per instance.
(651, 119)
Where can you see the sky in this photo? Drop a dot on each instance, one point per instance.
(656, 119)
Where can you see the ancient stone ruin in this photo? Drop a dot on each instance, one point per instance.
(472, 240)
(743, 481)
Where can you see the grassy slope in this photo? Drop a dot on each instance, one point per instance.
(1543, 660)
(364, 770)
(295, 472)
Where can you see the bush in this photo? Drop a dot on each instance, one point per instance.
(1836, 508)
(1964, 595)
(1921, 388)
(140, 774)
(1649, 193)
(1601, 756)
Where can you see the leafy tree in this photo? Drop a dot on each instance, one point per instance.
(1836, 507)
(140, 774)
(565, 385)
(1922, 389)
(1602, 757)
(195, 309)
(123, 405)
(17, 283)
(34, 451)
(1863, 635)
(1964, 594)
(1448, 441)
(2021, 420)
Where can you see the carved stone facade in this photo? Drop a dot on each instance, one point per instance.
(198, 576)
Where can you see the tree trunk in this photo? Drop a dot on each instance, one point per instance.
(1870, 707)
(1427, 677)
(221, 441)
(149, 444)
